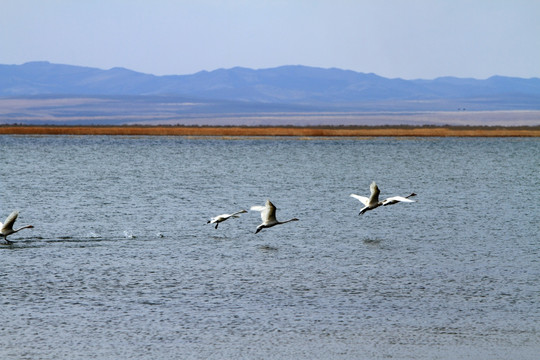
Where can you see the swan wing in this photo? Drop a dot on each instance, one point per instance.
(374, 197)
(270, 213)
(364, 200)
(10, 220)
(396, 199)
(262, 210)
(237, 214)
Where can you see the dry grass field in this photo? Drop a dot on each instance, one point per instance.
(225, 131)
(163, 111)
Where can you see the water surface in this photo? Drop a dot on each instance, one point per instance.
(122, 265)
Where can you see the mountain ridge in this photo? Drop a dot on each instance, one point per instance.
(46, 93)
(284, 84)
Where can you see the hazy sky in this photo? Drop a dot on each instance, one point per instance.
(395, 38)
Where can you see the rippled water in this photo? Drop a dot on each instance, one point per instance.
(122, 265)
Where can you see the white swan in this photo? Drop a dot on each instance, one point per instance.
(373, 201)
(7, 227)
(220, 218)
(268, 216)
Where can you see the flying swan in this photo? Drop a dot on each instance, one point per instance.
(373, 201)
(7, 227)
(220, 218)
(268, 216)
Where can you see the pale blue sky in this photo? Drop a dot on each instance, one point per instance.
(392, 38)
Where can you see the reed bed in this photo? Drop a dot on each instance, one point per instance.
(391, 131)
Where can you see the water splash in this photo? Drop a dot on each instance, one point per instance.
(129, 235)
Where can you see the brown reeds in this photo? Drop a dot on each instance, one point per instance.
(390, 131)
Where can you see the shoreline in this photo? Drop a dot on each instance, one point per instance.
(293, 131)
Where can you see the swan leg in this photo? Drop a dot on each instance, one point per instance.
(217, 225)
(8, 242)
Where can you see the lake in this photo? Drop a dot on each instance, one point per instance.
(121, 263)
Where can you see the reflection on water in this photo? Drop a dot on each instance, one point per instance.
(375, 242)
(122, 265)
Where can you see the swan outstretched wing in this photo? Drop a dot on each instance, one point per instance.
(10, 220)
(224, 217)
(364, 200)
(374, 197)
(268, 212)
(237, 214)
(262, 210)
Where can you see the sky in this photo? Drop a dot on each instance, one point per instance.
(408, 39)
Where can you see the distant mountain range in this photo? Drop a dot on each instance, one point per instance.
(281, 85)
(45, 93)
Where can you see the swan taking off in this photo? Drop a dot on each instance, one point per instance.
(220, 218)
(7, 227)
(268, 216)
(373, 201)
